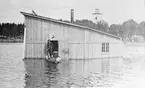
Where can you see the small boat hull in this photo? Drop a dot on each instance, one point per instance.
(54, 61)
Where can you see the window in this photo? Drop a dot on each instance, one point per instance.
(105, 47)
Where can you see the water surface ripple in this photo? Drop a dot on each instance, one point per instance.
(16, 72)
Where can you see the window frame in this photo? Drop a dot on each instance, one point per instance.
(105, 47)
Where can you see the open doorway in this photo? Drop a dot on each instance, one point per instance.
(55, 45)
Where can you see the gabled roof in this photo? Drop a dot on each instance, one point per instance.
(66, 23)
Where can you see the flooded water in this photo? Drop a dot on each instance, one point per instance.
(16, 72)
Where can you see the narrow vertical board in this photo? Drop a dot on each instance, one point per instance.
(45, 30)
(71, 51)
(40, 51)
(61, 49)
(31, 31)
(34, 50)
(86, 51)
(90, 50)
(82, 51)
(87, 36)
(34, 30)
(26, 51)
(43, 50)
(39, 33)
(29, 50)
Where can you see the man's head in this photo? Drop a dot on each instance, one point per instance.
(55, 54)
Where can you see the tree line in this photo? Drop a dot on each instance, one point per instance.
(126, 30)
(12, 30)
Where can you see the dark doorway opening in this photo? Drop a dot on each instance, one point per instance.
(55, 45)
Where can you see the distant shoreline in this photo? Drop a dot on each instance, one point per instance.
(11, 41)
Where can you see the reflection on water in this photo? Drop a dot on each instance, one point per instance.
(16, 72)
(12, 69)
(78, 73)
(39, 74)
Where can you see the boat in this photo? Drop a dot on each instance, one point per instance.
(54, 59)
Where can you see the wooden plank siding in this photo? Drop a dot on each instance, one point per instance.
(74, 42)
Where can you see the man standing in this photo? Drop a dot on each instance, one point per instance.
(49, 48)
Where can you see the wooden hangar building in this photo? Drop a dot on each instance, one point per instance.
(70, 40)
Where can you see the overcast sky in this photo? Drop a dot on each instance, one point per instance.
(114, 11)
